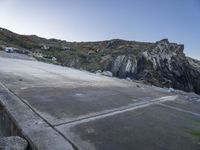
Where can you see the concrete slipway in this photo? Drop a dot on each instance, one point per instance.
(60, 108)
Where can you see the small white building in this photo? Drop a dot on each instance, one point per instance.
(66, 48)
(10, 49)
(45, 47)
(37, 54)
(54, 59)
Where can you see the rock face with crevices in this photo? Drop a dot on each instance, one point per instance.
(162, 63)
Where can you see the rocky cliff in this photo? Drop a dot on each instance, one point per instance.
(162, 63)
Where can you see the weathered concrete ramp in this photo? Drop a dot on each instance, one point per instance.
(62, 108)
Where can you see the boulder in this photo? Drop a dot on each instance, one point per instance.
(107, 73)
(13, 143)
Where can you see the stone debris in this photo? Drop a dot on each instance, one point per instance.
(104, 73)
(171, 90)
(107, 73)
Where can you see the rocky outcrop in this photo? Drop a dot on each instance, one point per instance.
(164, 65)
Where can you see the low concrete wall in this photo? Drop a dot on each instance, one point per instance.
(17, 118)
(7, 126)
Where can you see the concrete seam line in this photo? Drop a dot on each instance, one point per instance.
(112, 113)
(181, 110)
(74, 146)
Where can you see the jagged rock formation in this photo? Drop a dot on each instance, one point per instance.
(162, 63)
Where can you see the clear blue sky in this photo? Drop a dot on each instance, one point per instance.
(91, 20)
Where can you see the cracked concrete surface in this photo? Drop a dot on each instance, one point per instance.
(80, 110)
